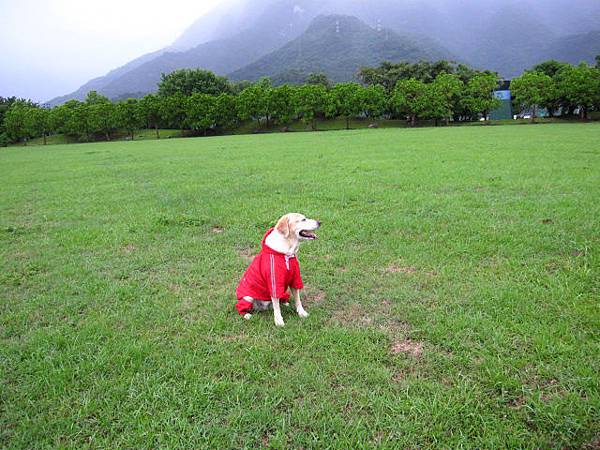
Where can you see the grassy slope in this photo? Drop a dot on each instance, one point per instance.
(117, 291)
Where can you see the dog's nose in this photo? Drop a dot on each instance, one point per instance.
(318, 223)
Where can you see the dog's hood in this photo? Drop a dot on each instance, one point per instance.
(267, 249)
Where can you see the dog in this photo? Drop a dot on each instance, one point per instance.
(275, 269)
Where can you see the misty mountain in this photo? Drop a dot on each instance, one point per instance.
(575, 48)
(338, 46)
(507, 36)
(99, 84)
(282, 21)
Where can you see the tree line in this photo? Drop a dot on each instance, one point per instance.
(203, 103)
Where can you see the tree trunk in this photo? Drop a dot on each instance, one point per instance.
(107, 135)
(583, 113)
(435, 122)
(413, 120)
(447, 121)
(44, 138)
(533, 113)
(157, 133)
(347, 123)
(132, 133)
(314, 124)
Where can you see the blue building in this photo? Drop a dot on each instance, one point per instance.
(504, 111)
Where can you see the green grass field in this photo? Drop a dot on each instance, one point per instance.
(454, 291)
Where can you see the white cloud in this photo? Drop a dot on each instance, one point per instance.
(51, 47)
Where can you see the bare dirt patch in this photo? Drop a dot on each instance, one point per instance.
(265, 441)
(400, 269)
(401, 375)
(247, 255)
(593, 445)
(217, 229)
(409, 270)
(354, 315)
(516, 403)
(407, 346)
(128, 249)
(547, 221)
(313, 296)
(175, 288)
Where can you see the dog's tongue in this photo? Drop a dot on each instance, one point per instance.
(308, 234)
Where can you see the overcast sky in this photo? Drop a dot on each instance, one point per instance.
(51, 47)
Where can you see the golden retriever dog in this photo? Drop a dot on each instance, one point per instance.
(275, 270)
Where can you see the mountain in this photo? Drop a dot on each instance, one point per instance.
(575, 48)
(338, 46)
(264, 29)
(509, 40)
(507, 36)
(99, 84)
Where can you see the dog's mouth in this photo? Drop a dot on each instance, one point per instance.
(308, 235)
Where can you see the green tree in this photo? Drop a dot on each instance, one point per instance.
(173, 111)
(93, 98)
(553, 99)
(15, 122)
(346, 100)
(238, 86)
(103, 118)
(444, 96)
(374, 101)
(72, 119)
(311, 102)
(550, 67)
(192, 81)
(284, 106)
(318, 78)
(6, 103)
(150, 112)
(411, 99)
(225, 111)
(580, 87)
(479, 94)
(200, 112)
(257, 102)
(531, 90)
(597, 61)
(129, 116)
(37, 122)
(388, 74)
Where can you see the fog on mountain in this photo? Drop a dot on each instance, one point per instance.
(246, 39)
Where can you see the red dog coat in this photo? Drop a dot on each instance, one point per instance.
(269, 276)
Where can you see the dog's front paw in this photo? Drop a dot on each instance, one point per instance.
(279, 322)
(247, 316)
(302, 313)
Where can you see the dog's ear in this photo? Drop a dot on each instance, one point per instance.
(283, 226)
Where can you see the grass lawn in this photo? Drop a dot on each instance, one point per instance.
(454, 291)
